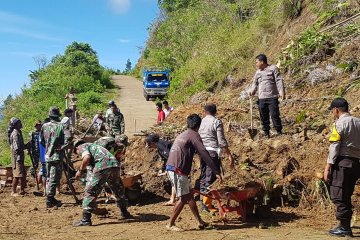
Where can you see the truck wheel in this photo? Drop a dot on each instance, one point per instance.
(147, 97)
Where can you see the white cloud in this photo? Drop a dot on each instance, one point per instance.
(30, 34)
(122, 40)
(26, 27)
(120, 6)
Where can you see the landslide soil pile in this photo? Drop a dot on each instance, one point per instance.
(288, 166)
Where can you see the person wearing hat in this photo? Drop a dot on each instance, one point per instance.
(105, 169)
(109, 111)
(17, 145)
(342, 169)
(115, 123)
(53, 138)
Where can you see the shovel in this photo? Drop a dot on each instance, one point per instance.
(252, 131)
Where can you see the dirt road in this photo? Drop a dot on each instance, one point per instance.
(139, 114)
(27, 218)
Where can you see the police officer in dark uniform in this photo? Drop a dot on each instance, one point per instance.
(343, 164)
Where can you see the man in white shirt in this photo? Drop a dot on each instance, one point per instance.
(167, 110)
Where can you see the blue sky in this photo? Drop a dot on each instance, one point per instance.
(31, 28)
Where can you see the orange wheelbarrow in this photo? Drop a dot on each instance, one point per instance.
(224, 198)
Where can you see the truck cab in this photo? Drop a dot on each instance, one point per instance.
(156, 83)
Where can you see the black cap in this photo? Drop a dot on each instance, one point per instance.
(338, 102)
(152, 138)
(111, 103)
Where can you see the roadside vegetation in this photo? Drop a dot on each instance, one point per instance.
(79, 69)
(203, 42)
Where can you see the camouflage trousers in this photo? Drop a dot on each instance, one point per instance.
(96, 181)
(53, 174)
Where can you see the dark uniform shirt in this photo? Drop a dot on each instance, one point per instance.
(35, 144)
(163, 148)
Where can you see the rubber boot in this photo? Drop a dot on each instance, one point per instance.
(124, 214)
(207, 202)
(52, 202)
(343, 230)
(85, 221)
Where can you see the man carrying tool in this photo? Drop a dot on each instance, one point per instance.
(270, 84)
(115, 123)
(342, 169)
(117, 147)
(179, 167)
(212, 135)
(105, 169)
(53, 138)
(163, 148)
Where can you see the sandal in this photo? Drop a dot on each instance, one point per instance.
(168, 204)
(173, 228)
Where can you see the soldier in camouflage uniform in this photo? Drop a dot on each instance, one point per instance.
(105, 169)
(53, 138)
(116, 147)
(115, 123)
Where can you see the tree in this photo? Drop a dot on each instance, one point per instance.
(127, 67)
(41, 61)
(8, 100)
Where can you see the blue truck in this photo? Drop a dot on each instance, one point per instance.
(156, 83)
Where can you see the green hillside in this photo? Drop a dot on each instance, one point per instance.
(203, 42)
(79, 69)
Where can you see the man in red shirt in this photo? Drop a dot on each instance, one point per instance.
(161, 114)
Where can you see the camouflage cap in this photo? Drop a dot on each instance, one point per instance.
(54, 112)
